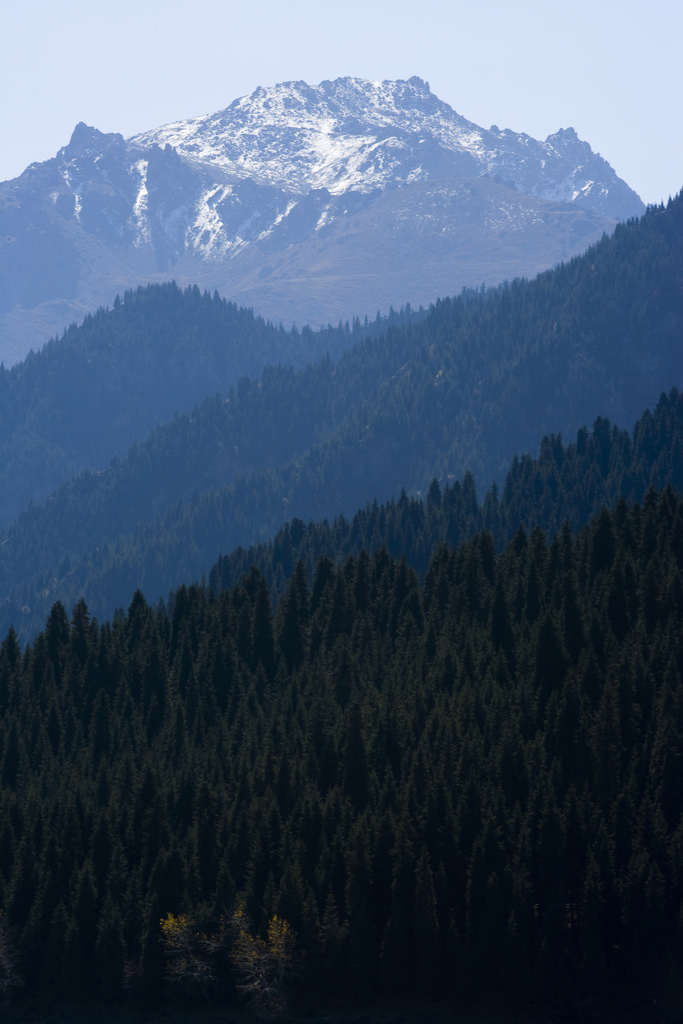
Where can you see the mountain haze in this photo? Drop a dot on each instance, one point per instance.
(85, 397)
(309, 203)
(480, 378)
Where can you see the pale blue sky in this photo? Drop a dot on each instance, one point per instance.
(612, 69)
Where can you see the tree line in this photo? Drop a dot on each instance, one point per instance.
(40, 558)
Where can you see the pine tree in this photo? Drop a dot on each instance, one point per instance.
(427, 939)
(110, 952)
(362, 958)
(398, 946)
(262, 630)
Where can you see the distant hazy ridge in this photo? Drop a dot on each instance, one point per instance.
(307, 203)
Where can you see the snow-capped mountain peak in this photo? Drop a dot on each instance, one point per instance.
(305, 201)
(362, 135)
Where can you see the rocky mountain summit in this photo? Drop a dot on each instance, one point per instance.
(308, 203)
(351, 134)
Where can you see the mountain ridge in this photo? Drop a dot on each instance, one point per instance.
(480, 377)
(294, 202)
(352, 157)
(85, 397)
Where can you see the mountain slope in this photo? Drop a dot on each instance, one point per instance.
(565, 483)
(412, 243)
(88, 395)
(273, 199)
(470, 787)
(476, 381)
(352, 134)
(570, 483)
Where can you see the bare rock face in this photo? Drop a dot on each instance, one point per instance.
(308, 202)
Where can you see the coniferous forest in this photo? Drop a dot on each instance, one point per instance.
(424, 749)
(453, 788)
(480, 378)
(88, 395)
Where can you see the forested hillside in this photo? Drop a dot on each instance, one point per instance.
(440, 739)
(564, 484)
(480, 378)
(466, 786)
(569, 482)
(88, 395)
(265, 422)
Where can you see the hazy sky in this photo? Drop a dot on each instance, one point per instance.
(612, 69)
